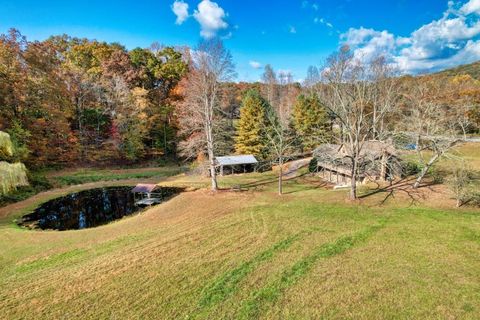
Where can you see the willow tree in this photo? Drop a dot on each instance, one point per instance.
(12, 175)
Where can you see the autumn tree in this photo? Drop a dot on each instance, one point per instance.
(310, 120)
(252, 124)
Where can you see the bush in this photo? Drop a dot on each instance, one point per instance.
(313, 165)
(474, 199)
(438, 177)
(411, 168)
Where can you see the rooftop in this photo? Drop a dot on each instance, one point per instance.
(144, 188)
(236, 160)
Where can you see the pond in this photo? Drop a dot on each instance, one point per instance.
(89, 208)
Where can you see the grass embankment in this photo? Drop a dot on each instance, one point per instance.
(305, 255)
(80, 176)
(46, 180)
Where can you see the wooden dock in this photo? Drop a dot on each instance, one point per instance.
(146, 202)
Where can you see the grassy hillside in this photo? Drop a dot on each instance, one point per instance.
(248, 255)
(472, 69)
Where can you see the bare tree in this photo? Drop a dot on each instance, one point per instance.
(312, 79)
(270, 80)
(350, 91)
(430, 122)
(280, 141)
(385, 95)
(211, 63)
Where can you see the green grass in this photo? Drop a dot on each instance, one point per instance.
(95, 175)
(308, 254)
(261, 298)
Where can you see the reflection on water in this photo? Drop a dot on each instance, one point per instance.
(87, 209)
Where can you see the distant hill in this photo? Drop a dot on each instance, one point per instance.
(472, 69)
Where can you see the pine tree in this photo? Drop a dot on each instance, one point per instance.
(310, 120)
(251, 126)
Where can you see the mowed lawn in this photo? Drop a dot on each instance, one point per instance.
(246, 255)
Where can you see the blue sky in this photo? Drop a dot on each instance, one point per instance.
(416, 35)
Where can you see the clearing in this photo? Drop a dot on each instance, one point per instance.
(252, 254)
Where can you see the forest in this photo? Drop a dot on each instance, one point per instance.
(67, 101)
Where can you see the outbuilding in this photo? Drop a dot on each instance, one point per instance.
(236, 164)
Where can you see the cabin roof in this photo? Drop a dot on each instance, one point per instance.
(236, 160)
(144, 188)
(370, 149)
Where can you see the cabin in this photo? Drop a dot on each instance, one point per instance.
(235, 164)
(378, 161)
(145, 195)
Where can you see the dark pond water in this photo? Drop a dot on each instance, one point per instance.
(87, 209)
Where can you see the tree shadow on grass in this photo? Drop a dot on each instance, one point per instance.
(402, 186)
(287, 177)
(309, 182)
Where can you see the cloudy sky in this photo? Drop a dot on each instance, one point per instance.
(416, 35)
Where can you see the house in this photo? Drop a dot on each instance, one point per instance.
(377, 161)
(237, 163)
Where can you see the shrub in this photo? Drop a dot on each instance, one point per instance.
(410, 168)
(460, 183)
(474, 199)
(313, 165)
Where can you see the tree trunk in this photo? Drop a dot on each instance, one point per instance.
(459, 202)
(165, 137)
(280, 176)
(353, 182)
(425, 170)
(211, 155)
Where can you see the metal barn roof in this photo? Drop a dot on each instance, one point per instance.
(236, 160)
(144, 188)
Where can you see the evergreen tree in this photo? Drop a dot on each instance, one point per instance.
(251, 126)
(310, 120)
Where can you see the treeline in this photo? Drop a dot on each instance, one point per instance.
(67, 100)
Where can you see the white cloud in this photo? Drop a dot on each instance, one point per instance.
(211, 18)
(472, 6)
(255, 64)
(292, 29)
(315, 7)
(180, 9)
(323, 21)
(454, 39)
